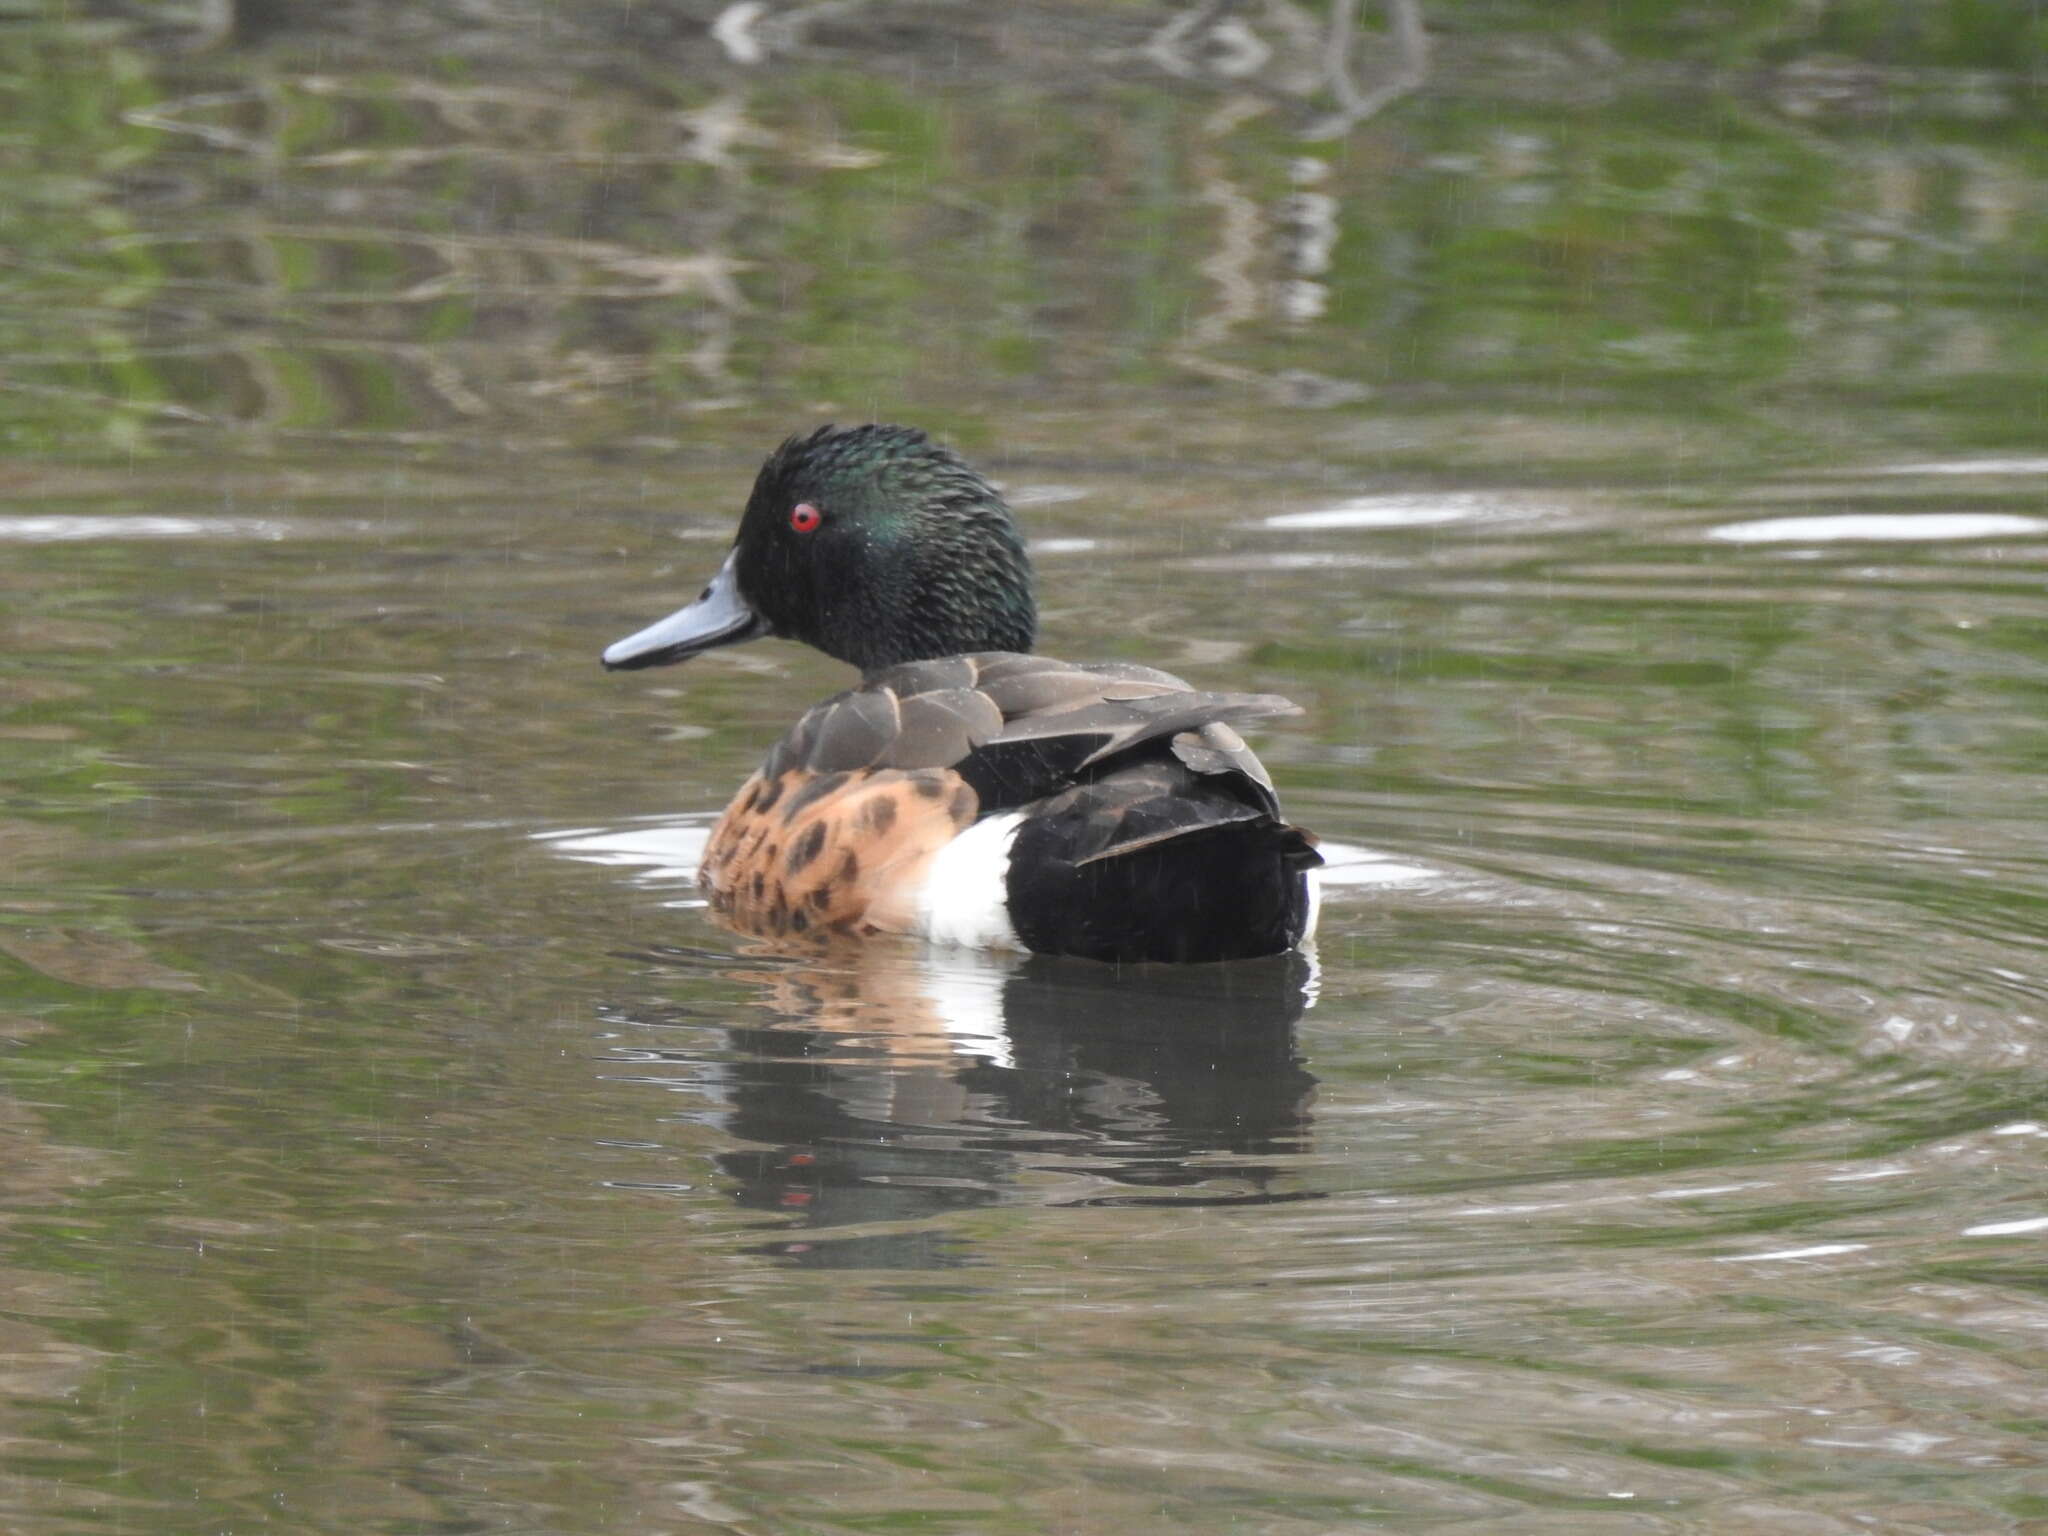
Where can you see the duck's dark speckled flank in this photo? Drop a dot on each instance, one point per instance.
(966, 790)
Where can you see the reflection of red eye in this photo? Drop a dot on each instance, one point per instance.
(804, 517)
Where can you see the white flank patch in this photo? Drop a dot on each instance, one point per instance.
(1878, 527)
(965, 896)
(1315, 905)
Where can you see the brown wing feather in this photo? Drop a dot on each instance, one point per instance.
(805, 853)
(936, 714)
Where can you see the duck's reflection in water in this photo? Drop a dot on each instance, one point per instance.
(894, 1087)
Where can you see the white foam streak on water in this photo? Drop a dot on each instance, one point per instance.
(1965, 467)
(664, 852)
(1878, 527)
(1064, 546)
(1291, 560)
(2008, 1228)
(1701, 1191)
(1348, 865)
(1396, 512)
(68, 528)
(1817, 1251)
(1043, 495)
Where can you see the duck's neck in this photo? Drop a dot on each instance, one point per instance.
(942, 628)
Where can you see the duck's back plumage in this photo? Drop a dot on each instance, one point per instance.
(1135, 823)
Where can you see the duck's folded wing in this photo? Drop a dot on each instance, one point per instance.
(1016, 728)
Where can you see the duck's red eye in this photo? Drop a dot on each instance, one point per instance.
(805, 518)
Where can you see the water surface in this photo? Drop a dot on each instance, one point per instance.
(1646, 510)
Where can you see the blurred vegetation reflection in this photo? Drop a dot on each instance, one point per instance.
(1773, 227)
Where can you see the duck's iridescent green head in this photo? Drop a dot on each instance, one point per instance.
(875, 545)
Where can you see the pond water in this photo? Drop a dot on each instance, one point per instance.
(1626, 450)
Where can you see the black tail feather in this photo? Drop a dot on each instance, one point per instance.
(1229, 891)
